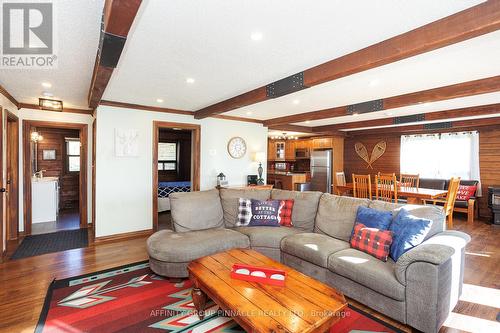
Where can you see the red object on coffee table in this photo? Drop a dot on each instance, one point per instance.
(267, 271)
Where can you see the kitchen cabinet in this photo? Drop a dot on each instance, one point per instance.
(271, 150)
(279, 150)
(321, 143)
(290, 150)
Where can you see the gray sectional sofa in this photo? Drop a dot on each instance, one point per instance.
(420, 289)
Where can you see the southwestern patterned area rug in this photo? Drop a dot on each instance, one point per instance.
(132, 298)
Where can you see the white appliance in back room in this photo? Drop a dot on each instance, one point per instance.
(44, 199)
(321, 170)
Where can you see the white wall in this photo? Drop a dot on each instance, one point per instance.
(66, 117)
(6, 105)
(124, 184)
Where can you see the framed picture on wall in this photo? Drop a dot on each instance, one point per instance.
(49, 154)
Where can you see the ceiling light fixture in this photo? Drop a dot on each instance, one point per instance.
(46, 85)
(284, 136)
(190, 80)
(50, 104)
(374, 82)
(47, 94)
(296, 101)
(308, 121)
(159, 100)
(256, 36)
(249, 113)
(389, 113)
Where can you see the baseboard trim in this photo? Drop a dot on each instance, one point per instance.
(124, 236)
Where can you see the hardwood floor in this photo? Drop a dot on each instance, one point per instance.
(23, 283)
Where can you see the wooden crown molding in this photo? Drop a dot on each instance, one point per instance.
(71, 110)
(482, 110)
(470, 88)
(118, 16)
(7, 95)
(469, 23)
(470, 124)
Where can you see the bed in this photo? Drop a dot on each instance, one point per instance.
(166, 188)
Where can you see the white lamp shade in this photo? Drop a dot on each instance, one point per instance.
(259, 156)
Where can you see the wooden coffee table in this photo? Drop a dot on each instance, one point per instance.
(302, 305)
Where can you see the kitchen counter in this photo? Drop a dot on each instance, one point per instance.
(289, 173)
(286, 180)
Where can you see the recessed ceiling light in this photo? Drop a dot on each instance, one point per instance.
(256, 36)
(296, 101)
(47, 94)
(355, 114)
(46, 84)
(249, 113)
(388, 113)
(190, 80)
(308, 121)
(374, 82)
(159, 100)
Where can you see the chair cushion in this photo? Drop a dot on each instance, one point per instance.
(229, 199)
(314, 248)
(465, 192)
(336, 215)
(461, 204)
(169, 246)
(267, 236)
(436, 184)
(305, 207)
(196, 210)
(367, 271)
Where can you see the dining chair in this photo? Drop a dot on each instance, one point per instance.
(340, 178)
(362, 186)
(409, 180)
(449, 200)
(387, 189)
(385, 174)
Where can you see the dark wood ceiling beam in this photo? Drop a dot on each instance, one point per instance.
(144, 107)
(470, 88)
(7, 95)
(292, 128)
(118, 16)
(420, 128)
(469, 23)
(431, 116)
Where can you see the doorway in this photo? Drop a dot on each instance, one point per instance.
(9, 203)
(176, 166)
(55, 176)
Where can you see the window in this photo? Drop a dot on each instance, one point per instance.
(73, 154)
(441, 155)
(167, 156)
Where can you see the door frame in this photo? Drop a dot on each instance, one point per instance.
(12, 223)
(27, 171)
(195, 159)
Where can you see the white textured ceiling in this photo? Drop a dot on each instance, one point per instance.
(210, 42)
(77, 25)
(469, 60)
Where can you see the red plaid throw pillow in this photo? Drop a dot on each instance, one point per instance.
(373, 241)
(285, 213)
(465, 192)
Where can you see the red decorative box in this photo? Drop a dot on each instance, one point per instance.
(266, 275)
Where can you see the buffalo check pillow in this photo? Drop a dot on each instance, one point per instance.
(244, 212)
(372, 241)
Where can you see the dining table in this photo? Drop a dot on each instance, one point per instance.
(413, 195)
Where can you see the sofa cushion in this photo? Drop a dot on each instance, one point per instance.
(336, 215)
(384, 205)
(267, 236)
(436, 184)
(169, 246)
(368, 271)
(374, 218)
(229, 199)
(196, 210)
(312, 247)
(305, 207)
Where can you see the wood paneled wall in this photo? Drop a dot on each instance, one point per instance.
(54, 138)
(489, 159)
(183, 138)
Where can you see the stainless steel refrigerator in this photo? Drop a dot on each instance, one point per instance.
(321, 170)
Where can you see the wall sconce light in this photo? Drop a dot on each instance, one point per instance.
(36, 137)
(50, 104)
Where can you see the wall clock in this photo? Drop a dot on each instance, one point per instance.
(236, 147)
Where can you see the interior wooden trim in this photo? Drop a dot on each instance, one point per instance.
(94, 147)
(144, 107)
(118, 16)
(235, 118)
(124, 236)
(11, 98)
(471, 124)
(464, 89)
(27, 171)
(12, 225)
(490, 109)
(469, 23)
(2, 240)
(71, 110)
(195, 152)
